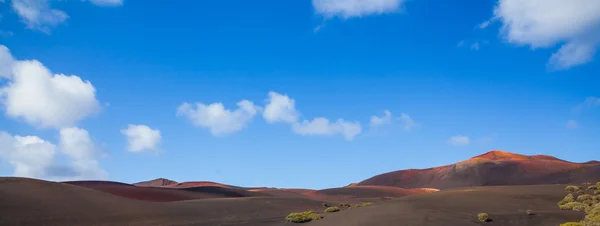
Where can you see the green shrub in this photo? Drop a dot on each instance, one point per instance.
(582, 198)
(571, 206)
(302, 217)
(483, 217)
(353, 206)
(325, 205)
(593, 187)
(597, 192)
(598, 184)
(529, 212)
(571, 224)
(593, 216)
(366, 204)
(589, 202)
(332, 209)
(345, 205)
(579, 208)
(567, 199)
(573, 188)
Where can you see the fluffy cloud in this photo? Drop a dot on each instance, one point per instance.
(141, 138)
(405, 120)
(6, 62)
(76, 144)
(355, 8)
(542, 24)
(572, 124)
(322, 126)
(459, 140)
(33, 157)
(280, 108)
(219, 120)
(34, 94)
(385, 119)
(29, 156)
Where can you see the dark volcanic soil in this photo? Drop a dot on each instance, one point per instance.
(506, 205)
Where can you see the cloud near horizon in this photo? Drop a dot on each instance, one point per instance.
(33, 157)
(571, 24)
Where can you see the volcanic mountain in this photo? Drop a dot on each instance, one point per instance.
(160, 182)
(492, 168)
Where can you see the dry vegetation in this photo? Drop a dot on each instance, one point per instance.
(585, 202)
(483, 217)
(302, 217)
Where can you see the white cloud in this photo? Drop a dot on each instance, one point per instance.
(572, 124)
(546, 23)
(322, 126)
(355, 8)
(384, 120)
(107, 2)
(79, 147)
(141, 138)
(219, 120)
(6, 62)
(34, 94)
(407, 122)
(29, 156)
(280, 108)
(458, 140)
(38, 14)
(33, 157)
(589, 102)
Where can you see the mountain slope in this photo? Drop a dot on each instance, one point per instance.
(492, 168)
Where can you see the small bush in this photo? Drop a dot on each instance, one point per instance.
(302, 217)
(345, 205)
(325, 205)
(571, 224)
(597, 192)
(579, 208)
(567, 199)
(593, 187)
(589, 202)
(571, 206)
(366, 204)
(483, 217)
(598, 184)
(353, 206)
(582, 198)
(573, 188)
(529, 212)
(332, 209)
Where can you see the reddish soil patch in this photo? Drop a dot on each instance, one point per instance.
(492, 168)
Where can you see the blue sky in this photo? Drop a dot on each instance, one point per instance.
(466, 76)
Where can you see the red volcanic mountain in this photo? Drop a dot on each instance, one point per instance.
(492, 168)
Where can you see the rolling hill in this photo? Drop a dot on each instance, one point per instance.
(492, 168)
